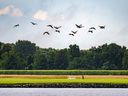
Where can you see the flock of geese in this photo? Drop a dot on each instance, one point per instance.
(57, 28)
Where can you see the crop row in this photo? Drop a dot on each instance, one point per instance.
(63, 72)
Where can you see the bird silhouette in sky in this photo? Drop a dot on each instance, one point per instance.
(16, 25)
(57, 31)
(71, 34)
(74, 32)
(79, 26)
(33, 23)
(51, 26)
(91, 31)
(57, 27)
(102, 27)
(46, 33)
(93, 28)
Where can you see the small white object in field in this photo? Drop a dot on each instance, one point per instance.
(71, 77)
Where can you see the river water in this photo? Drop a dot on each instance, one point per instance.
(63, 92)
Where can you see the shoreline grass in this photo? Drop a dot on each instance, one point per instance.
(57, 81)
(6, 81)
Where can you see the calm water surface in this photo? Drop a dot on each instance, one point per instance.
(63, 92)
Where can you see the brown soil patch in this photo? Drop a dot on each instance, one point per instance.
(63, 76)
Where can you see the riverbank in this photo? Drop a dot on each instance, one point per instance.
(68, 85)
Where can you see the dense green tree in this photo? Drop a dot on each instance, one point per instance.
(61, 59)
(87, 61)
(5, 47)
(125, 61)
(25, 48)
(51, 53)
(26, 55)
(11, 60)
(74, 51)
(1, 49)
(114, 56)
(75, 63)
(40, 60)
(30, 60)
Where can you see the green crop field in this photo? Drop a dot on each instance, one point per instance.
(39, 77)
(49, 81)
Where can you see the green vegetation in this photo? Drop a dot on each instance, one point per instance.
(57, 81)
(63, 81)
(24, 55)
(65, 72)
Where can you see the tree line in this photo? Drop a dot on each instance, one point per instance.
(26, 55)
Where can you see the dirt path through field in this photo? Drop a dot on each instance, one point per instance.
(63, 76)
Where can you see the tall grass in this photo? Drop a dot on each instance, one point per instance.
(64, 72)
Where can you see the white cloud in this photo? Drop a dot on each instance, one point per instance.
(16, 12)
(41, 15)
(5, 10)
(11, 10)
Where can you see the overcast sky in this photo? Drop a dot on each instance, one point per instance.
(111, 13)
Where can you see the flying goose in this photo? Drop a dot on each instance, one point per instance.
(93, 28)
(57, 27)
(71, 34)
(102, 27)
(33, 23)
(91, 31)
(16, 25)
(79, 26)
(57, 31)
(50, 26)
(46, 33)
(74, 32)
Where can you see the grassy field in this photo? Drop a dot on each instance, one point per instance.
(41, 80)
(66, 77)
(64, 72)
(49, 81)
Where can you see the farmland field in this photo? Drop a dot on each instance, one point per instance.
(21, 77)
(60, 80)
(26, 79)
